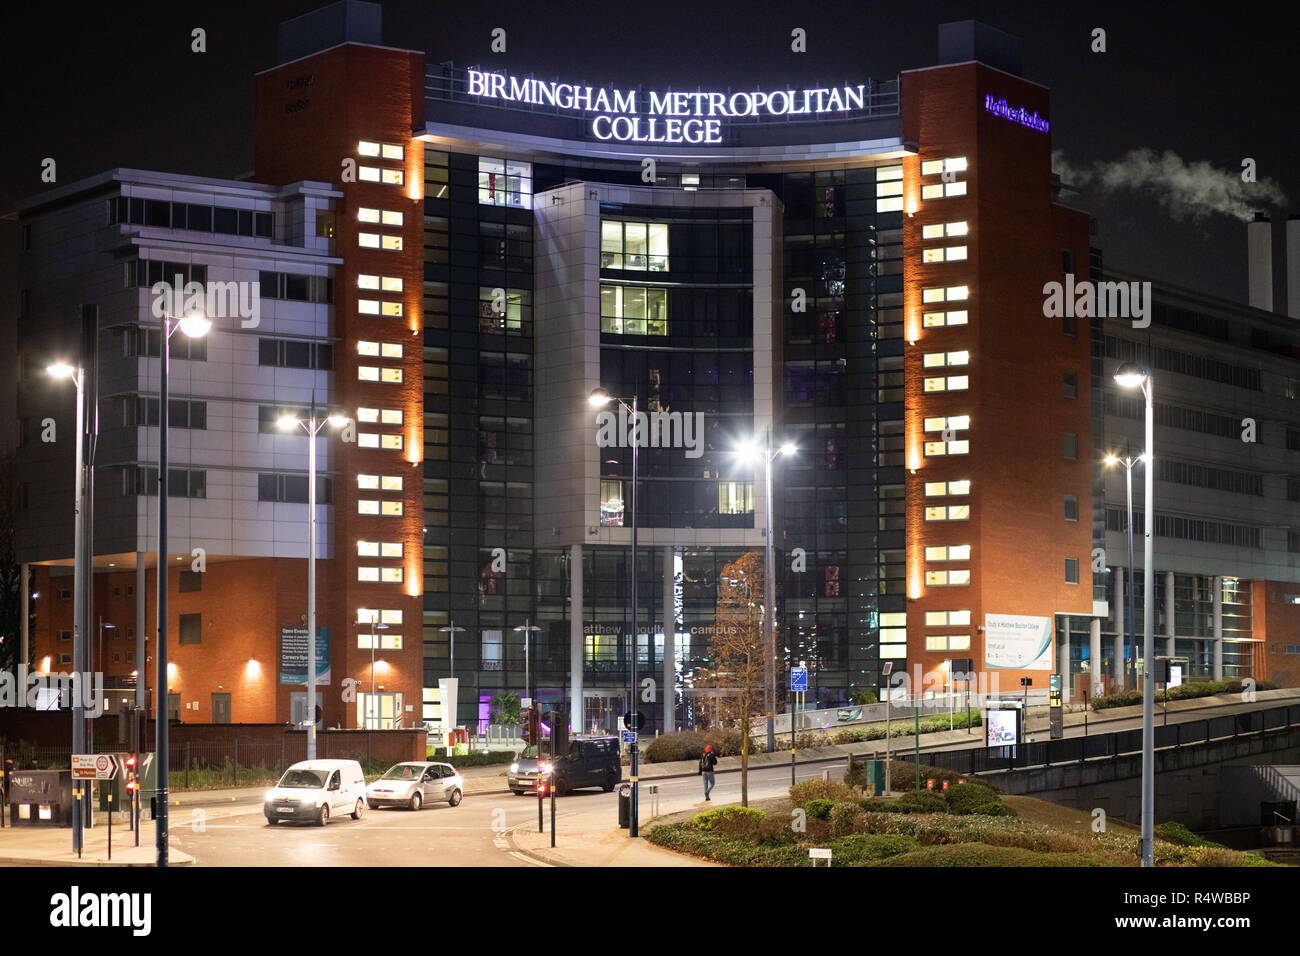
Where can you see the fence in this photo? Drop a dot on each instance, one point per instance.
(1047, 753)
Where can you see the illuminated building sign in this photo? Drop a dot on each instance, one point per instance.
(1000, 108)
(628, 116)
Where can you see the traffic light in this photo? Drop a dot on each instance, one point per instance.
(526, 721)
(131, 780)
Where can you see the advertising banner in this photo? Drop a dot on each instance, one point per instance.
(293, 656)
(1002, 725)
(1013, 642)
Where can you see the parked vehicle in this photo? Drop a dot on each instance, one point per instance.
(314, 789)
(415, 783)
(590, 762)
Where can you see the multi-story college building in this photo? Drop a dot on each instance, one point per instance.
(456, 258)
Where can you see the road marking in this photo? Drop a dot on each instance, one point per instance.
(528, 859)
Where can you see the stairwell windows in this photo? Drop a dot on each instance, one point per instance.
(939, 359)
(949, 383)
(932, 320)
(934, 489)
(374, 174)
(947, 618)
(934, 448)
(383, 217)
(944, 254)
(375, 283)
(953, 578)
(379, 482)
(947, 513)
(948, 552)
(951, 164)
(381, 416)
(940, 230)
(382, 150)
(956, 293)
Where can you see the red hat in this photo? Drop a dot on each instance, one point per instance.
(708, 749)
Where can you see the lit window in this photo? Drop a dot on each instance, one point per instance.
(893, 619)
(365, 214)
(368, 149)
(368, 306)
(956, 228)
(505, 182)
(390, 616)
(368, 373)
(391, 284)
(947, 448)
(936, 643)
(735, 497)
(947, 618)
(888, 172)
(368, 482)
(894, 188)
(890, 205)
(367, 282)
(951, 552)
(953, 421)
(368, 174)
(390, 416)
(391, 442)
(368, 549)
(367, 574)
(947, 578)
(949, 383)
(390, 483)
(954, 189)
(368, 240)
(367, 348)
(390, 151)
(391, 309)
(937, 488)
(633, 310)
(893, 650)
(959, 642)
(932, 191)
(391, 509)
(366, 507)
(932, 255)
(394, 177)
(954, 253)
(639, 246)
(391, 376)
(392, 243)
(932, 295)
(937, 359)
(384, 641)
(958, 293)
(390, 549)
(953, 164)
(947, 513)
(390, 575)
(934, 231)
(368, 440)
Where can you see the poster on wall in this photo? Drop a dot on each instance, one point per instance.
(1014, 642)
(1002, 727)
(293, 656)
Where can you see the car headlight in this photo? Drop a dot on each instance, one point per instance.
(514, 768)
(544, 767)
(270, 795)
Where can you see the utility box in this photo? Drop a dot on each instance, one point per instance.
(875, 780)
(40, 798)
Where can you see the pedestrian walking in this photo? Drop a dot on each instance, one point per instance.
(708, 760)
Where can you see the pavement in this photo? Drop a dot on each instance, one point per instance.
(588, 839)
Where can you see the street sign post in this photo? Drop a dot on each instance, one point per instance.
(799, 679)
(94, 766)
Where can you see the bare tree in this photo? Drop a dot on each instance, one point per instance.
(736, 648)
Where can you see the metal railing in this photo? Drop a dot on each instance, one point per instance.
(1048, 753)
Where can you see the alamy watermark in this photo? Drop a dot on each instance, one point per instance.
(1104, 300)
(652, 430)
(52, 691)
(216, 300)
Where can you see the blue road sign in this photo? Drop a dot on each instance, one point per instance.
(799, 678)
(629, 736)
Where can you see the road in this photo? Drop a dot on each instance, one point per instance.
(476, 833)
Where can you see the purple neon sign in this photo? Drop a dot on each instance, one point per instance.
(1000, 108)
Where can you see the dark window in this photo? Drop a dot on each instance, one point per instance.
(245, 222)
(225, 221)
(191, 581)
(1067, 261)
(199, 218)
(1071, 570)
(1071, 508)
(293, 489)
(1068, 325)
(1071, 446)
(191, 629)
(1070, 385)
(157, 213)
(262, 225)
(296, 287)
(27, 236)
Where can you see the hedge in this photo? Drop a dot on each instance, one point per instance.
(1130, 698)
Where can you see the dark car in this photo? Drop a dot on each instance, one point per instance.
(590, 762)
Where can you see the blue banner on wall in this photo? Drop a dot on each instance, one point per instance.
(293, 655)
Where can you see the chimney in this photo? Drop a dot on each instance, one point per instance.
(1293, 266)
(1259, 250)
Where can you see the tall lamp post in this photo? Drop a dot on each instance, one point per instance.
(80, 580)
(599, 397)
(312, 425)
(528, 628)
(1128, 462)
(449, 721)
(194, 326)
(1130, 375)
(768, 454)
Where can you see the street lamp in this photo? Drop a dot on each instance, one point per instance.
(312, 426)
(528, 628)
(449, 721)
(194, 326)
(750, 452)
(90, 733)
(599, 398)
(80, 592)
(1128, 462)
(1130, 375)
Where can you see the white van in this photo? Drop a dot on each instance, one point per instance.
(316, 789)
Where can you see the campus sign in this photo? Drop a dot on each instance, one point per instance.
(1015, 642)
(635, 116)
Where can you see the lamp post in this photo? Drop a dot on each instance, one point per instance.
(769, 455)
(600, 397)
(1130, 375)
(80, 576)
(312, 425)
(1128, 463)
(528, 628)
(90, 722)
(449, 722)
(194, 326)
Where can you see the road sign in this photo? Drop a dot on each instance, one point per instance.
(629, 736)
(799, 678)
(634, 720)
(94, 766)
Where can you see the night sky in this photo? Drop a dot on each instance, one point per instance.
(117, 85)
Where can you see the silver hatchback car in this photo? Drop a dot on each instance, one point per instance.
(416, 783)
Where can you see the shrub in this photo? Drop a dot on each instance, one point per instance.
(965, 797)
(818, 809)
(690, 744)
(902, 776)
(867, 847)
(979, 854)
(922, 801)
(1179, 835)
(725, 819)
(993, 809)
(831, 790)
(844, 818)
